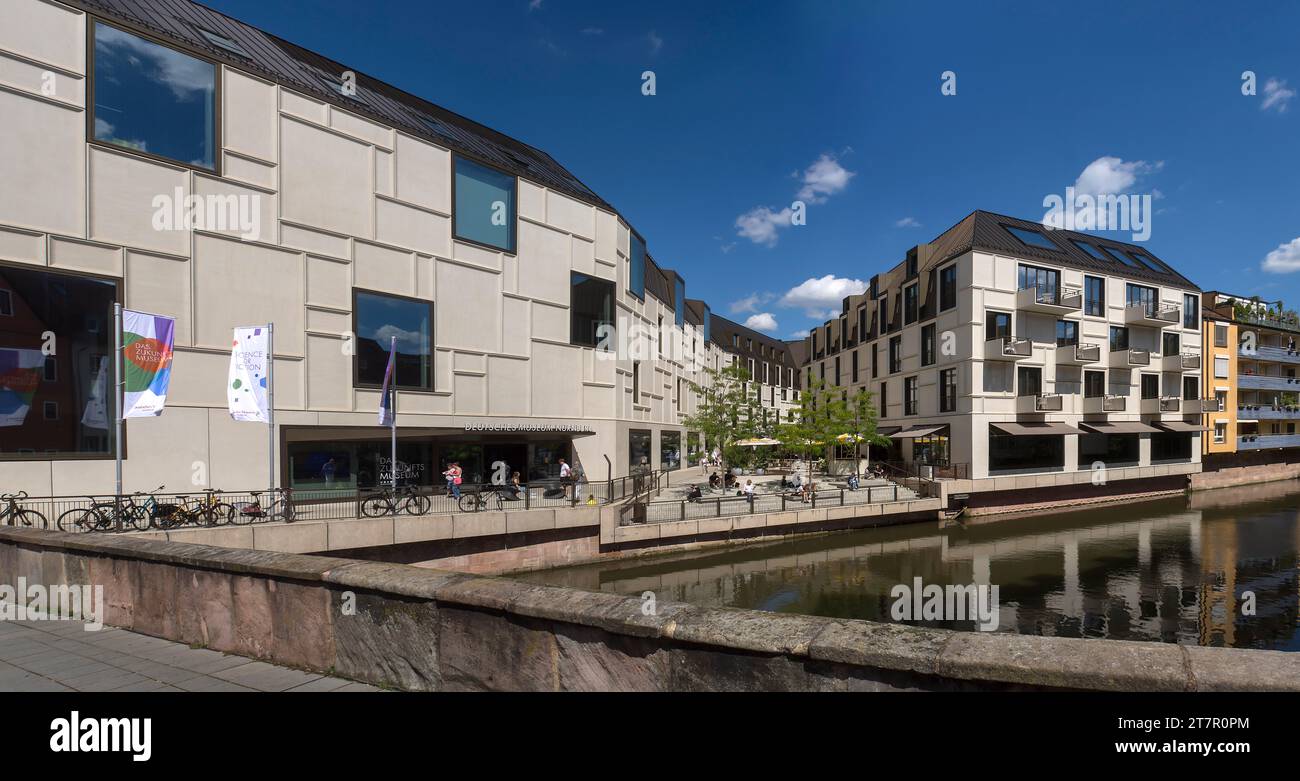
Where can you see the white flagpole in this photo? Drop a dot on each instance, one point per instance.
(119, 386)
(270, 412)
(392, 419)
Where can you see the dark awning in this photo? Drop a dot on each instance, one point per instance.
(1118, 427)
(1181, 427)
(918, 431)
(888, 431)
(1035, 429)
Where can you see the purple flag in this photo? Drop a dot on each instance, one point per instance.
(386, 417)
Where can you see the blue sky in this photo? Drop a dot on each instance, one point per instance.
(758, 104)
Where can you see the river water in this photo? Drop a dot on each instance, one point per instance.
(1214, 568)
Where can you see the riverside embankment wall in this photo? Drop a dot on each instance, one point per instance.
(421, 629)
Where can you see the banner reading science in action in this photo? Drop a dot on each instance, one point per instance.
(147, 342)
(246, 391)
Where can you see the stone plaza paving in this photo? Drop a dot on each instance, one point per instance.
(62, 656)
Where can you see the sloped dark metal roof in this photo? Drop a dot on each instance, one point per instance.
(721, 330)
(987, 231)
(179, 22)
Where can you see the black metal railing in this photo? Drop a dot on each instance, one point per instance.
(714, 506)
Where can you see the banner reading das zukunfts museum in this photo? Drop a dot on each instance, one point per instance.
(246, 391)
(147, 342)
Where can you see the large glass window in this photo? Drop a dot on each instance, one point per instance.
(485, 205)
(1150, 386)
(1045, 282)
(1171, 447)
(679, 303)
(909, 396)
(1094, 384)
(1191, 387)
(377, 318)
(1094, 296)
(1067, 332)
(1112, 449)
(638, 449)
(927, 344)
(1141, 295)
(1191, 312)
(1029, 380)
(1169, 344)
(997, 325)
(153, 99)
(948, 288)
(670, 449)
(895, 354)
(1032, 238)
(910, 308)
(591, 311)
(75, 382)
(636, 268)
(1037, 453)
(1118, 337)
(948, 390)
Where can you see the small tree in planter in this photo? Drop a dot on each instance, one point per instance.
(819, 418)
(860, 423)
(725, 413)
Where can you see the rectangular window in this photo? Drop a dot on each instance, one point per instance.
(1191, 388)
(1032, 238)
(1221, 367)
(670, 450)
(1169, 344)
(659, 335)
(998, 377)
(636, 383)
(1141, 295)
(1191, 312)
(1094, 384)
(895, 354)
(927, 345)
(484, 205)
(1220, 432)
(636, 268)
(1118, 338)
(1150, 386)
(638, 449)
(1220, 335)
(855, 367)
(377, 318)
(862, 322)
(1067, 332)
(1171, 447)
(6, 304)
(71, 308)
(1045, 282)
(708, 323)
(909, 396)
(910, 310)
(948, 390)
(837, 370)
(1110, 449)
(997, 325)
(875, 362)
(50, 410)
(1090, 250)
(1029, 380)
(884, 399)
(1031, 454)
(884, 315)
(152, 99)
(591, 311)
(1094, 296)
(948, 288)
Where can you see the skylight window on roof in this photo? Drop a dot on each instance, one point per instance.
(1092, 251)
(222, 42)
(1150, 263)
(1119, 255)
(1032, 238)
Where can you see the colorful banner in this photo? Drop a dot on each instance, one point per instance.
(20, 374)
(147, 342)
(96, 413)
(386, 417)
(246, 391)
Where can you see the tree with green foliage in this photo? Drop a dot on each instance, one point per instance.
(861, 422)
(726, 410)
(818, 419)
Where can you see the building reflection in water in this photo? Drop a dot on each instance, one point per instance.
(1172, 570)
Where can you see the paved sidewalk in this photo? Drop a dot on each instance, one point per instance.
(63, 656)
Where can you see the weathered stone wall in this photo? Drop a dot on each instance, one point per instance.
(423, 629)
(1241, 475)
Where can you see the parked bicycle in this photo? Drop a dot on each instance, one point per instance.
(15, 515)
(408, 499)
(477, 500)
(279, 507)
(207, 511)
(133, 512)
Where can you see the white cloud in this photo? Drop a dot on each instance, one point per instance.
(818, 296)
(907, 222)
(593, 31)
(819, 181)
(656, 43)
(760, 224)
(407, 341)
(802, 333)
(1103, 176)
(180, 72)
(750, 303)
(824, 178)
(763, 321)
(1283, 260)
(534, 5)
(1276, 95)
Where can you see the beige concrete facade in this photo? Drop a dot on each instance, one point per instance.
(344, 203)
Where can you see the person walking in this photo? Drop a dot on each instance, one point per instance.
(453, 475)
(566, 477)
(328, 471)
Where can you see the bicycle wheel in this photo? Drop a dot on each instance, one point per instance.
(418, 504)
(282, 510)
(501, 505)
(375, 506)
(221, 512)
(30, 518)
(78, 519)
(245, 513)
(469, 503)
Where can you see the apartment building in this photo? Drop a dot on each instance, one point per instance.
(775, 380)
(1254, 377)
(183, 163)
(1219, 381)
(1002, 349)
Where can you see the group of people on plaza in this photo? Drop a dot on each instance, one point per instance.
(570, 478)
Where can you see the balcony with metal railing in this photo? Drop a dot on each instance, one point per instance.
(1179, 362)
(1107, 403)
(1008, 348)
(1270, 354)
(1209, 405)
(1130, 357)
(1052, 300)
(1266, 441)
(1162, 404)
(1267, 382)
(1268, 412)
(1151, 314)
(1078, 354)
